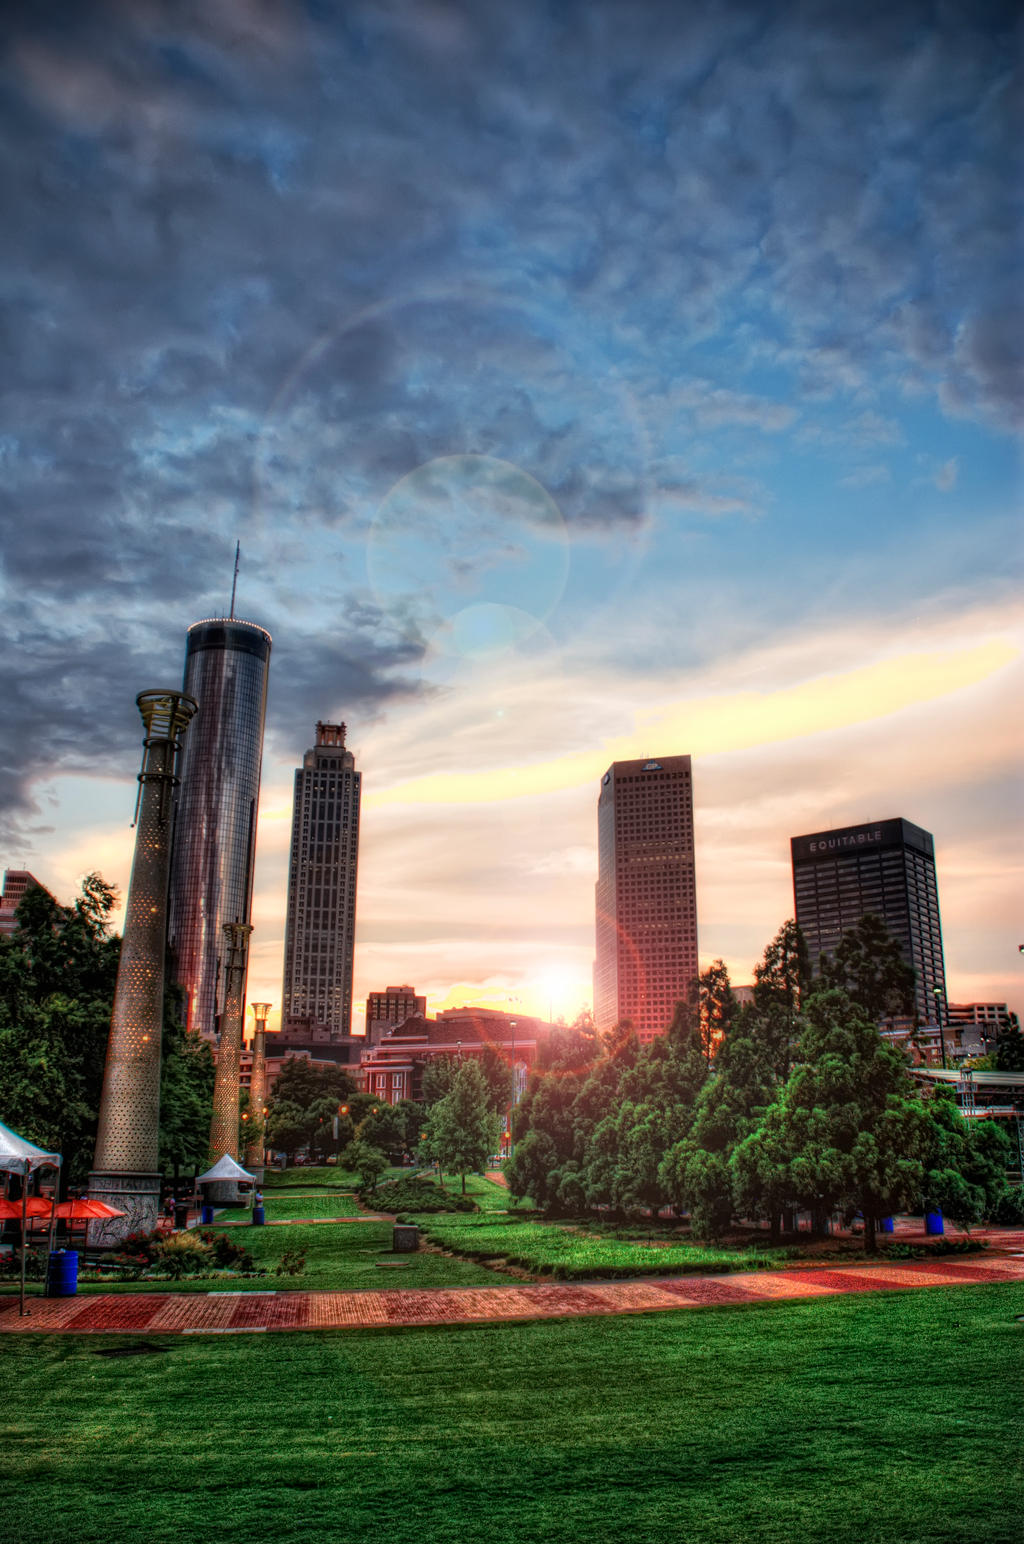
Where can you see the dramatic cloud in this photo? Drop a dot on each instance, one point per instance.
(518, 344)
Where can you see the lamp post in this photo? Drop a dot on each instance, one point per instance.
(256, 1149)
(937, 994)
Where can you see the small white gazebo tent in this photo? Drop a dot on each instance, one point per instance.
(19, 1156)
(225, 1169)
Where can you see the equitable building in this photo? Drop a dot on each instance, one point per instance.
(887, 868)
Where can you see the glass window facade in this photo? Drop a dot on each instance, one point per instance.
(887, 868)
(646, 899)
(227, 664)
(321, 922)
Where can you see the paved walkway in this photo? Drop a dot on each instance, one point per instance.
(242, 1312)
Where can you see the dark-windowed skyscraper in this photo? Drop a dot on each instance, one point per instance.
(887, 868)
(320, 931)
(226, 668)
(646, 954)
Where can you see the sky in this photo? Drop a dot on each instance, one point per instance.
(582, 381)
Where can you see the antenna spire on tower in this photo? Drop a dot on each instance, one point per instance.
(234, 582)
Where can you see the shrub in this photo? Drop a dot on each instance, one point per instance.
(291, 1263)
(137, 1248)
(183, 1254)
(418, 1195)
(36, 1261)
(937, 1246)
(1008, 1211)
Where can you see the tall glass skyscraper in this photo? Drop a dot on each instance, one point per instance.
(646, 894)
(320, 931)
(226, 668)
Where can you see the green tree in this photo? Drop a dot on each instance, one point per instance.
(571, 1048)
(783, 976)
(1009, 1054)
(498, 1077)
(462, 1129)
(965, 1163)
(869, 967)
(696, 1171)
(716, 1006)
(303, 1103)
(545, 1132)
(186, 1093)
(384, 1127)
(438, 1077)
(366, 1160)
(848, 1130)
(57, 978)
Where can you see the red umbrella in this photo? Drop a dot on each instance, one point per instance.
(82, 1206)
(34, 1206)
(82, 1209)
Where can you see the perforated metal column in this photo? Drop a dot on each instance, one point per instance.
(255, 1151)
(126, 1170)
(224, 1125)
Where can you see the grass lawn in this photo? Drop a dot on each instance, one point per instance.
(581, 1253)
(883, 1419)
(345, 1256)
(339, 1256)
(487, 1195)
(284, 1207)
(309, 1177)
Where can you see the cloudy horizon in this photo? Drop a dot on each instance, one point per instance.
(582, 382)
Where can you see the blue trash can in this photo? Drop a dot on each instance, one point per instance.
(885, 1226)
(259, 1216)
(62, 1273)
(933, 1224)
(207, 1215)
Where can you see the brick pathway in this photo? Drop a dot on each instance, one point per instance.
(226, 1313)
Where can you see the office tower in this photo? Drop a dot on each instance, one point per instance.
(321, 924)
(127, 1169)
(386, 1010)
(17, 884)
(646, 896)
(887, 868)
(226, 668)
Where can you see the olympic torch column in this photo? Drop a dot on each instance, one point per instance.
(255, 1151)
(224, 1125)
(127, 1174)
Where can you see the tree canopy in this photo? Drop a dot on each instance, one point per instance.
(801, 1105)
(869, 966)
(303, 1103)
(57, 977)
(462, 1128)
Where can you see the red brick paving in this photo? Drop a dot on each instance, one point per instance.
(711, 1290)
(111, 1312)
(241, 1312)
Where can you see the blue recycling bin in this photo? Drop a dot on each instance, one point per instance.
(259, 1216)
(62, 1273)
(886, 1225)
(207, 1214)
(933, 1224)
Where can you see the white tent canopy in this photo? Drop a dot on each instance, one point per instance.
(224, 1169)
(18, 1156)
